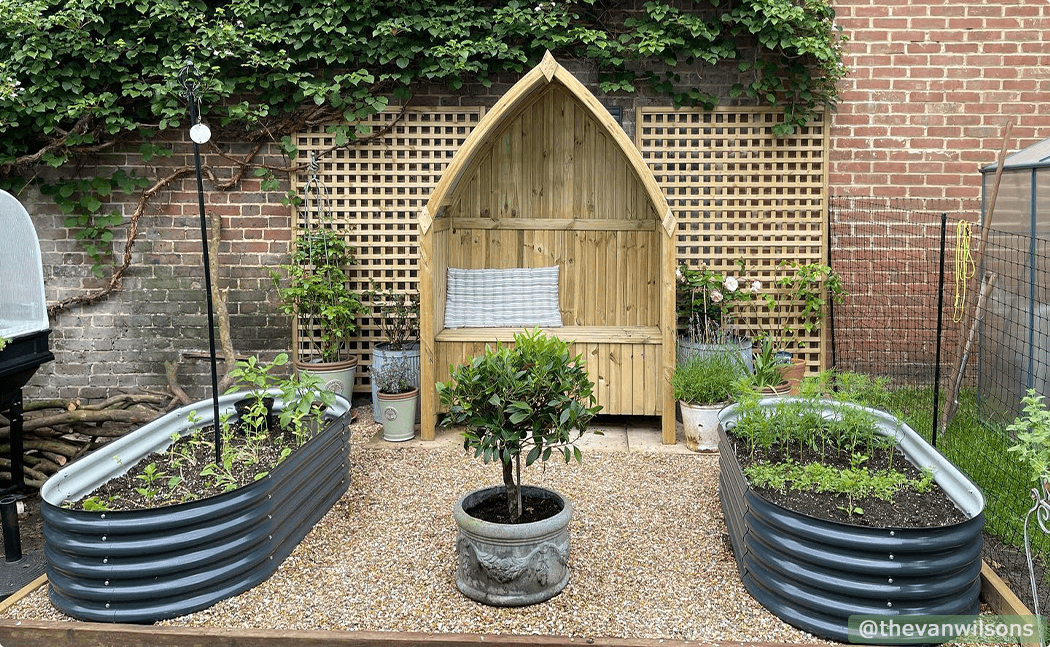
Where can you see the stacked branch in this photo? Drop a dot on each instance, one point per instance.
(58, 431)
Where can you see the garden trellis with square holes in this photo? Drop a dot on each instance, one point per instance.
(736, 189)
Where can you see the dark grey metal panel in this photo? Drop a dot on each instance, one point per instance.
(814, 574)
(147, 565)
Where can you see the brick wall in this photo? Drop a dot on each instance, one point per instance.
(159, 312)
(932, 84)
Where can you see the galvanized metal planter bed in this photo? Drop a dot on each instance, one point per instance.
(147, 565)
(814, 574)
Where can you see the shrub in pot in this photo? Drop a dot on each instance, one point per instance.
(703, 385)
(316, 288)
(522, 403)
(399, 320)
(398, 398)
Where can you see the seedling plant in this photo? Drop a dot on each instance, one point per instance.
(187, 470)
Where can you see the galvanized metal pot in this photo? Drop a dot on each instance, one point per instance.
(512, 565)
(700, 425)
(146, 565)
(814, 574)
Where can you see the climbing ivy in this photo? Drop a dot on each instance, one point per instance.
(79, 77)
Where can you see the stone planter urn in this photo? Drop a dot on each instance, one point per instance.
(512, 565)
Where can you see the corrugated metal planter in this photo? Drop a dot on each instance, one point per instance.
(814, 574)
(147, 565)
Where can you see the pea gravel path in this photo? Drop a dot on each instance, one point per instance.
(650, 557)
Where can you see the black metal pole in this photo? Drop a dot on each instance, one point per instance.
(17, 418)
(9, 523)
(940, 330)
(831, 302)
(191, 96)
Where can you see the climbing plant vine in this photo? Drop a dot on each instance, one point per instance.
(79, 78)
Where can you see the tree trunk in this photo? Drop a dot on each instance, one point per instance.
(513, 491)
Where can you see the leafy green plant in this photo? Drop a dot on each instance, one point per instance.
(1032, 430)
(534, 397)
(709, 378)
(767, 368)
(813, 285)
(256, 377)
(304, 400)
(854, 482)
(399, 315)
(317, 289)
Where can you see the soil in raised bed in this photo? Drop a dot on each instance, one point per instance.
(908, 508)
(533, 508)
(133, 491)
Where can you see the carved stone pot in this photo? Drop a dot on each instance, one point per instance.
(512, 565)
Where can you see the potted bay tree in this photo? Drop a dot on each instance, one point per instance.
(518, 404)
(315, 287)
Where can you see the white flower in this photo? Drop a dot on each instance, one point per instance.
(730, 284)
(678, 276)
(716, 296)
(756, 286)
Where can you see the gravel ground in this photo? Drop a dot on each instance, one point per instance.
(650, 555)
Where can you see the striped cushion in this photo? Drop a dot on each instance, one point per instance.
(514, 298)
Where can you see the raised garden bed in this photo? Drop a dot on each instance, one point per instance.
(815, 573)
(149, 564)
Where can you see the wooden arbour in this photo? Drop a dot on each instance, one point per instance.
(549, 178)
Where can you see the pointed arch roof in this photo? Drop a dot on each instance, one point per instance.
(545, 74)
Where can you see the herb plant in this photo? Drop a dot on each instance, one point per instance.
(707, 378)
(534, 397)
(1032, 430)
(399, 315)
(394, 377)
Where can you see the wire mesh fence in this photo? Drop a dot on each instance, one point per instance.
(956, 374)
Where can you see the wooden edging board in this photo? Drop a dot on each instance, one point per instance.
(39, 633)
(997, 595)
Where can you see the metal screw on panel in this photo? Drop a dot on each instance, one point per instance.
(891, 556)
(889, 604)
(103, 538)
(891, 580)
(105, 560)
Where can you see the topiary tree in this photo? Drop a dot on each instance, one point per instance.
(534, 397)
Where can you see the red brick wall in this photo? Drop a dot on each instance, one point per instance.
(932, 84)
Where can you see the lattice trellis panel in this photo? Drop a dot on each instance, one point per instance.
(739, 192)
(375, 191)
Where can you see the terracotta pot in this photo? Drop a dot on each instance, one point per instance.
(793, 374)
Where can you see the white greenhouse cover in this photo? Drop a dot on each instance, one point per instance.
(23, 309)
